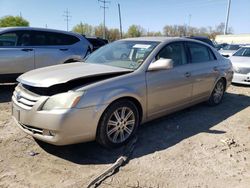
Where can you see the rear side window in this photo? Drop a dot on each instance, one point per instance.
(39, 38)
(200, 53)
(174, 51)
(43, 38)
(61, 39)
(8, 39)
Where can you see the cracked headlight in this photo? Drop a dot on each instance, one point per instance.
(62, 101)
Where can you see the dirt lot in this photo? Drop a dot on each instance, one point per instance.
(198, 147)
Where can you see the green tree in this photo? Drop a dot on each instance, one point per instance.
(84, 29)
(135, 31)
(152, 34)
(11, 21)
(113, 34)
(99, 31)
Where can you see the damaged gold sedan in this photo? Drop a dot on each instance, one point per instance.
(117, 88)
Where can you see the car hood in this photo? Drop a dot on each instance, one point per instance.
(227, 52)
(240, 61)
(49, 76)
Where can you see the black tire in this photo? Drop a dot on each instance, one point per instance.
(218, 93)
(103, 137)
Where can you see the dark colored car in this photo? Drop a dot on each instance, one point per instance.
(203, 39)
(97, 42)
(219, 46)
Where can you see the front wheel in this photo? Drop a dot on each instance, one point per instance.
(218, 93)
(118, 124)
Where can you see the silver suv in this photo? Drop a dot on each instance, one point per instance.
(25, 48)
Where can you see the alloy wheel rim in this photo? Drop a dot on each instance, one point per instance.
(218, 92)
(120, 125)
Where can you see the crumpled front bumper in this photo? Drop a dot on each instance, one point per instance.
(59, 127)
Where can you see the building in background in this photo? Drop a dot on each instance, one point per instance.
(233, 39)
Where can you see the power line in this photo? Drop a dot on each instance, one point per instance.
(67, 18)
(104, 7)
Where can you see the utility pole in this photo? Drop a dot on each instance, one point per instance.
(104, 7)
(120, 19)
(81, 28)
(227, 18)
(189, 21)
(67, 17)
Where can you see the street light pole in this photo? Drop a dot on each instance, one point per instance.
(227, 18)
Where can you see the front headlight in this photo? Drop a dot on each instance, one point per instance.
(236, 69)
(62, 101)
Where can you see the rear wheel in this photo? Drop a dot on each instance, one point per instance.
(118, 124)
(218, 93)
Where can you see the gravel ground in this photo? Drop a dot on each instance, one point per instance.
(198, 147)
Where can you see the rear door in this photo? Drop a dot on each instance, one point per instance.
(168, 90)
(16, 53)
(204, 69)
(52, 48)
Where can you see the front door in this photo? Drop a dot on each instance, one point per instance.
(168, 90)
(16, 56)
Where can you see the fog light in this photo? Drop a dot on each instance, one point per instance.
(48, 132)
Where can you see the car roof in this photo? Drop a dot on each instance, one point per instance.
(6, 29)
(164, 39)
(246, 46)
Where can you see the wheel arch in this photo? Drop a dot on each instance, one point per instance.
(129, 98)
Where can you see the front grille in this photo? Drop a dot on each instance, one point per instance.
(24, 98)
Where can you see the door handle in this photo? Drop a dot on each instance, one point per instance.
(187, 74)
(64, 49)
(27, 49)
(216, 68)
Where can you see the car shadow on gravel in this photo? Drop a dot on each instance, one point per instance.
(6, 92)
(159, 134)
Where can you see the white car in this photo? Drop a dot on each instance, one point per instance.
(241, 65)
(229, 50)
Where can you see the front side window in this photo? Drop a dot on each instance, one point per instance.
(245, 52)
(125, 54)
(24, 39)
(200, 53)
(8, 39)
(174, 51)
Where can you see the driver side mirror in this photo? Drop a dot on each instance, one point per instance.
(161, 64)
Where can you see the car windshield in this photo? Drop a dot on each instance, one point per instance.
(125, 54)
(243, 52)
(231, 47)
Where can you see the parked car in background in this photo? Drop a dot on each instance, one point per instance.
(203, 39)
(97, 42)
(118, 87)
(26, 48)
(220, 46)
(229, 50)
(241, 65)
